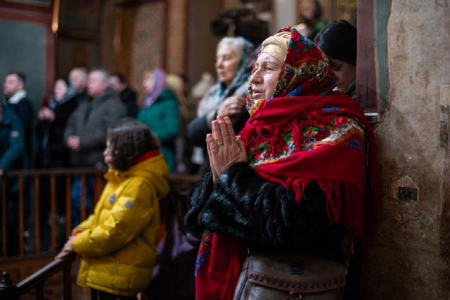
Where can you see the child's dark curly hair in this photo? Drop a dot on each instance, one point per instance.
(129, 140)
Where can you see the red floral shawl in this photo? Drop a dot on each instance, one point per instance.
(305, 133)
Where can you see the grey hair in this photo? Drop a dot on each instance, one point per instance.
(104, 74)
(237, 43)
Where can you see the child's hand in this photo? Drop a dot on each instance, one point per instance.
(67, 249)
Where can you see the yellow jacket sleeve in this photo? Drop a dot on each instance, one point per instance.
(130, 215)
(86, 224)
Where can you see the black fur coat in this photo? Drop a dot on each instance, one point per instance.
(264, 214)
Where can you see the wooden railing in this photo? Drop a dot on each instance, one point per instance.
(180, 187)
(34, 178)
(37, 281)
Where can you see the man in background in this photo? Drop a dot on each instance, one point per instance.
(120, 84)
(11, 158)
(86, 131)
(17, 101)
(78, 77)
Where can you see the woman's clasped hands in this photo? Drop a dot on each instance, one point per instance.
(224, 147)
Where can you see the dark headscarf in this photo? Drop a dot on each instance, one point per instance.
(338, 40)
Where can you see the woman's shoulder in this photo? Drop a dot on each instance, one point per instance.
(211, 94)
(341, 128)
(167, 95)
(242, 90)
(209, 101)
(69, 105)
(134, 185)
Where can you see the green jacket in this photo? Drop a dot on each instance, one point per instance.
(163, 118)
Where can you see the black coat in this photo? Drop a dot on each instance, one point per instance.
(128, 97)
(264, 214)
(24, 110)
(83, 96)
(198, 128)
(11, 140)
(52, 150)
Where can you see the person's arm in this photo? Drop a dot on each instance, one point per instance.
(129, 216)
(259, 212)
(25, 114)
(197, 198)
(16, 145)
(86, 224)
(71, 126)
(197, 130)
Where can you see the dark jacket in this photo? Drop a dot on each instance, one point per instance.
(24, 111)
(264, 214)
(52, 149)
(128, 97)
(11, 140)
(163, 119)
(83, 96)
(199, 127)
(90, 122)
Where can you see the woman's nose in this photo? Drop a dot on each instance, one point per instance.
(256, 78)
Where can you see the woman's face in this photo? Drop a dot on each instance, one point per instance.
(107, 155)
(60, 89)
(345, 73)
(227, 63)
(264, 78)
(148, 83)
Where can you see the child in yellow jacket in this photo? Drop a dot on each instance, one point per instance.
(117, 243)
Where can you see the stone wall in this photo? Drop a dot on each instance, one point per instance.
(409, 258)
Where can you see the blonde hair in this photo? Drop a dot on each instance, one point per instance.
(277, 45)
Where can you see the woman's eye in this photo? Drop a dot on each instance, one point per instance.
(335, 68)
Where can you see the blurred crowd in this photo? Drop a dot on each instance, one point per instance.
(72, 124)
(72, 121)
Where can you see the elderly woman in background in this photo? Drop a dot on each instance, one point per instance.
(161, 114)
(234, 61)
(53, 116)
(294, 178)
(338, 41)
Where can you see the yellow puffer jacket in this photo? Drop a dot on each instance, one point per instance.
(118, 242)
